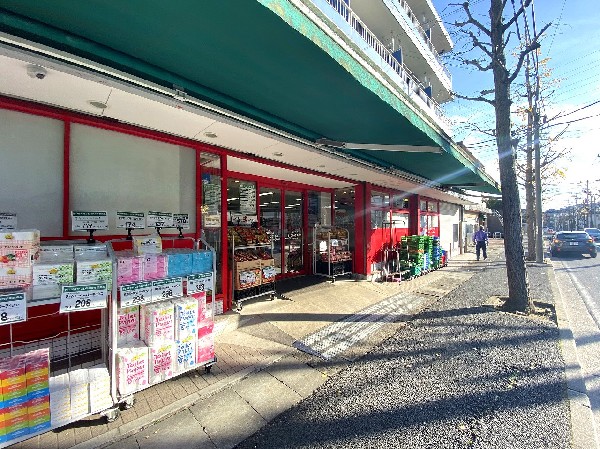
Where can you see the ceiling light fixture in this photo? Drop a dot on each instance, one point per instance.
(210, 134)
(36, 71)
(98, 104)
(278, 154)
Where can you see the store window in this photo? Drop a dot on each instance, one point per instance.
(294, 236)
(31, 171)
(210, 166)
(241, 202)
(423, 205)
(319, 209)
(400, 201)
(344, 212)
(112, 172)
(270, 220)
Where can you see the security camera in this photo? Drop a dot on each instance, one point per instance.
(36, 71)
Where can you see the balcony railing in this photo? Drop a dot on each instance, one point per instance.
(410, 83)
(422, 34)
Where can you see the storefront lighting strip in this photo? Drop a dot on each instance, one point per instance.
(92, 71)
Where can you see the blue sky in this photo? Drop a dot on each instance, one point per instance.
(572, 45)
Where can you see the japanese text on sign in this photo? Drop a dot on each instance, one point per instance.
(160, 219)
(199, 283)
(136, 294)
(8, 221)
(167, 288)
(87, 221)
(13, 308)
(75, 298)
(131, 220)
(181, 221)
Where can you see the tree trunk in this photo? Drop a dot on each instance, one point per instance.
(513, 238)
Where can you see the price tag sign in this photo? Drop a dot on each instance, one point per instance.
(8, 221)
(160, 219)
(136, 294)
(131, 220)
(167, 288)
(13, 308)
(87, 221)
(203, 282)
(181, 221)
(75, 298)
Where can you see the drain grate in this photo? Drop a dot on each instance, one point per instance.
(341, 335)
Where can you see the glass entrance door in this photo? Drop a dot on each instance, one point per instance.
(269, 199)
(293, 254)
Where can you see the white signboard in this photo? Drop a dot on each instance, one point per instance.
(160, 219)
(88, 221)
(242, 220)
(200, 283)
(131, 220)
(8, 221)
(181, 221)
(13, 308)
(136, 294)
(247, 198)
(167, 288)
(211, 221)
(75, 298)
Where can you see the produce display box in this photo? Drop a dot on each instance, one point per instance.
(267, 271)
(248, 278)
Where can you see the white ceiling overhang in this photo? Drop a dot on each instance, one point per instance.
(72, 83)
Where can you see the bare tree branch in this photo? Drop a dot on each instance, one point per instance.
(533, 45)
(472, 21)
(464, 97)
(514, 18)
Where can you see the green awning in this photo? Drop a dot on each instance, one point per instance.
(263, 59)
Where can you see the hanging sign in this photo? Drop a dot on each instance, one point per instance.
(8, 221)
(211, 221)
(242, 220)
(131, 220)
(202, 282)
(167, 288)
(181, 221)
(88, 221)
(247, 198)
(136, 294)
(75, 298)
(160, 219)
(13, 308)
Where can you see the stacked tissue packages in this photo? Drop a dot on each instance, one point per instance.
(180, 262)
(205, 345)
(154, 266)
(18, 251)
(157, 323)
(128, 319)
(99, 379)
(24, 394)
(132, 368)
(202, 261)
(162, 362)
(186, 317)
(129, 268)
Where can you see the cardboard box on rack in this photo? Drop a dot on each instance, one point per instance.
(60, 400)
(247, 278)
(267, 271)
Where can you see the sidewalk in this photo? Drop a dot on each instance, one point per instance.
(259, 372)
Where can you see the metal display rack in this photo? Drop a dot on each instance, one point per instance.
(253, 278)
(69, 349)
(331, 253)
(127, 400)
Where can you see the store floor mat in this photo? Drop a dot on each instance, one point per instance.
(332, 340)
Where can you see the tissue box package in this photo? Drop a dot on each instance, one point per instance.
(179, 262)
(129, 268)
(129, 325)
(51, 273)
(132, 368)
(79, 383)
(97, 250)
(154, 266)
(146, 244)
(186, 317)
(186, 354)
(60, 400)
(200, 298)
(202, 261)
(157, 322)
(20, 239)
(100, 398)
(89, 270)
(205, 344)
(162, 362)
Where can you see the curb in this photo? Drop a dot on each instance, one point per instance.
(582, 418)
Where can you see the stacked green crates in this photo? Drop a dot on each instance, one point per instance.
(436, 256)
(405, 262)
(427, 253)
(416, 251)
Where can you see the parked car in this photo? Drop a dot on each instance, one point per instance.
(572, 242)
(595, 234)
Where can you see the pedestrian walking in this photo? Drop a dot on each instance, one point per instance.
(480, 238)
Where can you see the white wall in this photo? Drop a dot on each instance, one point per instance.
(449, 222)
(31, 171)
(118, 172)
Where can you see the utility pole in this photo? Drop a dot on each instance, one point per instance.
(539, 244)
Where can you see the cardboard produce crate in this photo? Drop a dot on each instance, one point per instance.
(267, 270)
(250, 277)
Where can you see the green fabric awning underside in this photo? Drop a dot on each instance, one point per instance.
(263, 59)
